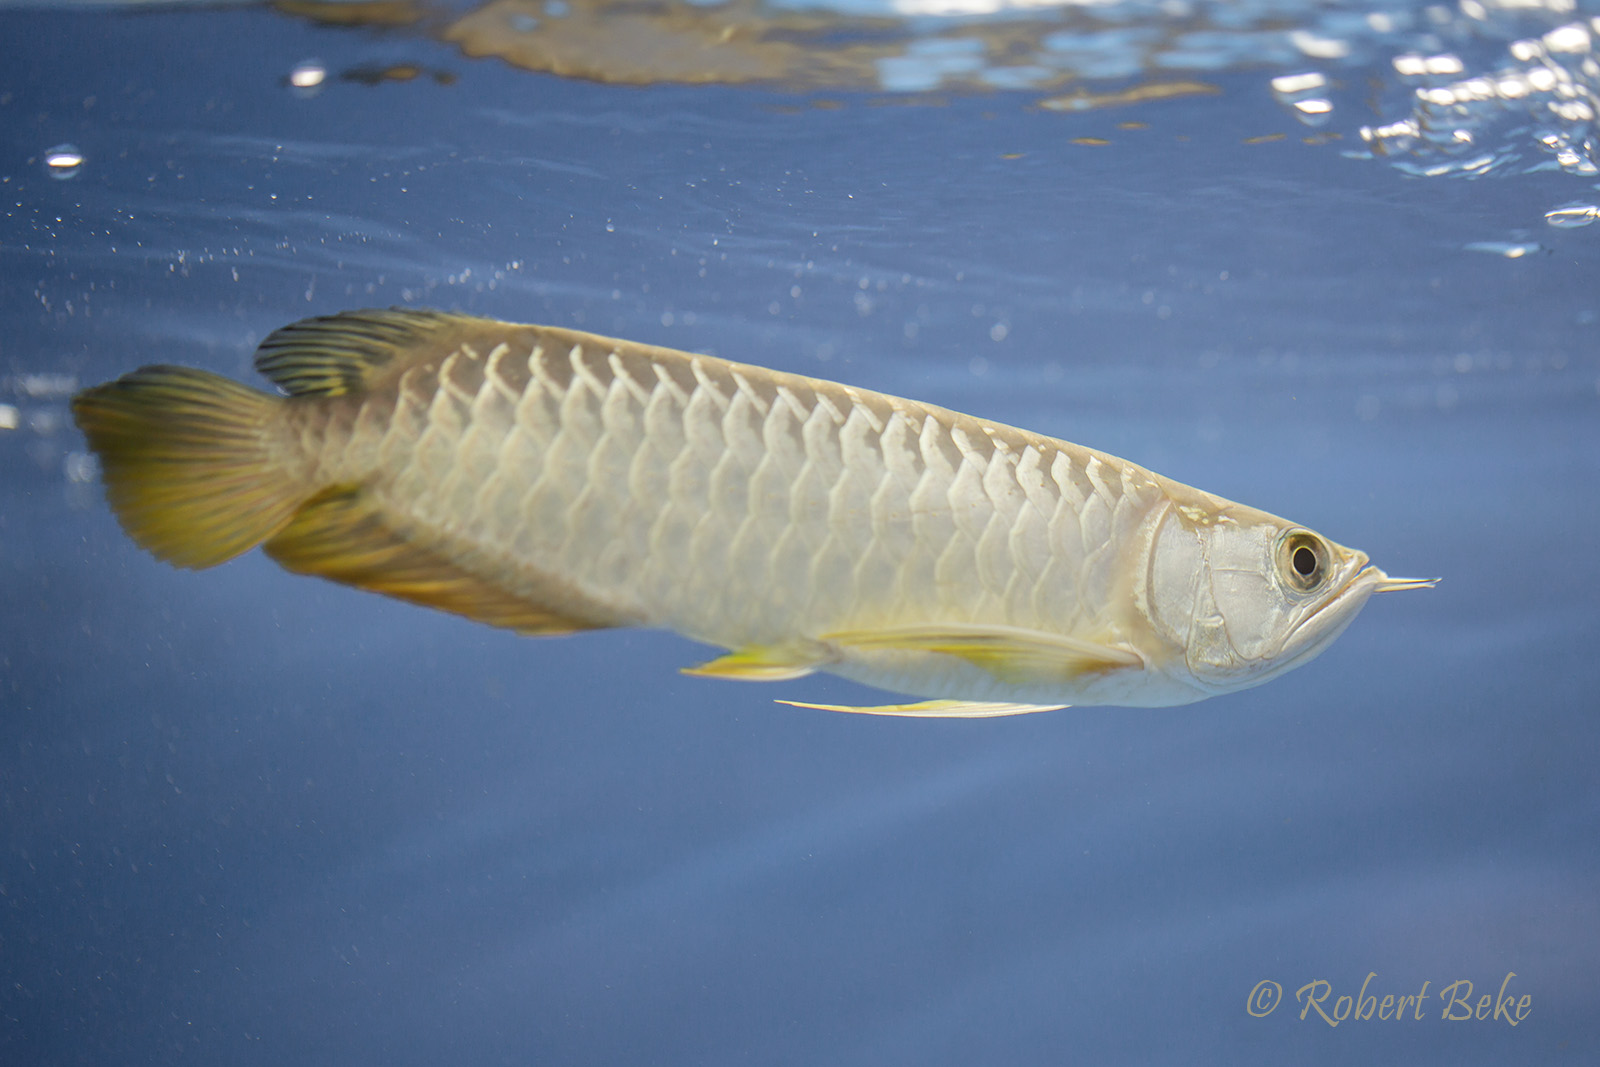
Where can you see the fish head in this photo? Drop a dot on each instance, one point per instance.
(1248, 596)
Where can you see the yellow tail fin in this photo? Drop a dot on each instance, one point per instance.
(187, 463)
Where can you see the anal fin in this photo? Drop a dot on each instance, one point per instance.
(341, 536)
(936, 709)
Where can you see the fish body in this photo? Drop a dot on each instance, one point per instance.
(551, 480)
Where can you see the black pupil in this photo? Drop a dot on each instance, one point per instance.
(1305, 562)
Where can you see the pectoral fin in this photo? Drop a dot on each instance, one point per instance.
(1011, 654)
(767, 663)
(936, 709)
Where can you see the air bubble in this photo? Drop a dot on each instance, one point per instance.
(307, 77)
(80, 467)
(63, 161)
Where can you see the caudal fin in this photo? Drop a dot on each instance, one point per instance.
(187, 462)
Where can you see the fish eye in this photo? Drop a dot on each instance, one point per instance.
(1304, 561)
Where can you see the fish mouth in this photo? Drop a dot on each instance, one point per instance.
(1328, 619)
(1337, 611)
(1365, 580)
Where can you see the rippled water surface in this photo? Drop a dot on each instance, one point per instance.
(1338, 261)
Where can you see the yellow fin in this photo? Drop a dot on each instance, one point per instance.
(332, 355)
(766, 663)
(936, 709)
(342, 537)
(186, 463)
(1011, 654)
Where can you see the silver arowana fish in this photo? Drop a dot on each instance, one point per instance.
(549, 481)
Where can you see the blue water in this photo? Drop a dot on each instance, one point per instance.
(250, 818)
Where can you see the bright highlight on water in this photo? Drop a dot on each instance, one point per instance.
(549, 481)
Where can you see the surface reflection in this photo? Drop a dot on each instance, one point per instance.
(1436, 90)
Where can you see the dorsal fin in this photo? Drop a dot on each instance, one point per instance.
(332, 355)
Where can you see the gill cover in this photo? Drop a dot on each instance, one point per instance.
(1246, 596)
